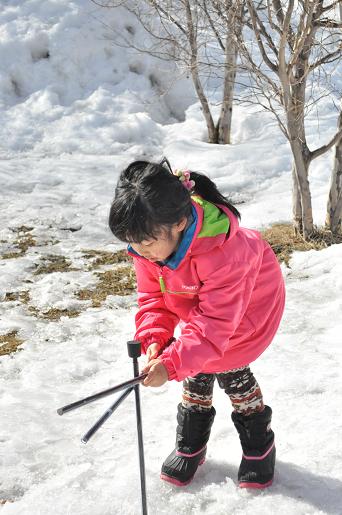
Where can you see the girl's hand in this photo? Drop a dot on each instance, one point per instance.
(157, 373)
(152, 351)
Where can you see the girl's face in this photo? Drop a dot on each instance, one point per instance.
(160, 248)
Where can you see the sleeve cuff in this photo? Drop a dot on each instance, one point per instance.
(148, 339)
(171, 372)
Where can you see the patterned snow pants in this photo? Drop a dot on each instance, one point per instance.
(239, 384)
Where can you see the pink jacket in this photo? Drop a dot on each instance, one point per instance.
(225, 289)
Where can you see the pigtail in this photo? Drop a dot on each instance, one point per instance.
(208, 190)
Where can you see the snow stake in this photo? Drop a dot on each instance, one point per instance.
(134, 352)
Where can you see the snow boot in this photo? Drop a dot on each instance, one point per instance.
(192, 435)
(257, 440)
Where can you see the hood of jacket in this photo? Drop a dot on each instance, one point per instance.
(215, 225)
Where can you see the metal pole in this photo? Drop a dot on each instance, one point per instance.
(100, 395)
(134, 351)
(105, 416)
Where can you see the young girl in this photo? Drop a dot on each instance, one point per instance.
(222, 284)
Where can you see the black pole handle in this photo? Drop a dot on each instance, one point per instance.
(134, 349)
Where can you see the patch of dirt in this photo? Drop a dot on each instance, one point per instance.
(9, 343)
(284, 240)
(120, 281)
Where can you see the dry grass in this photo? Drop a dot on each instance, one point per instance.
(23, 241)
(120, 281)
(9, 343)
(54, 263)
(21, 296)
(99, 258)
(284, 241)
(54, 314)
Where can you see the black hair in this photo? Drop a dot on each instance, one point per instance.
(149, 197)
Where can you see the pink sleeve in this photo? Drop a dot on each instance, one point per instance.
(223, 300)
(154, 322)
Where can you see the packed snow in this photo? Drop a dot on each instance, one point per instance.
(75, 109)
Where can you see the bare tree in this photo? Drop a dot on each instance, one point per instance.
(199, 35)
(294, 40)
(334, 207)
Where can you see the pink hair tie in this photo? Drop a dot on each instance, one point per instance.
(184, 177)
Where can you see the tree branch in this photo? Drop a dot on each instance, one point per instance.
(327, 23)
(158, 7)
(266, 35)
(304, 32)
(212, 25)
(331, 6)
(280, 17)
(329, 58)
(258, 28)
(251, 66)
(324, 148)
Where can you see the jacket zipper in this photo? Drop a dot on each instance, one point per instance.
(162, 284)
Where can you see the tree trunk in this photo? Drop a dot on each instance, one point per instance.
(302, 208)
(333, 219)
(293, 78)
(303, 221)
(191, 34)
(334, 207)
(212, 130)
(224, 123)
(301, 166)
(296, 203)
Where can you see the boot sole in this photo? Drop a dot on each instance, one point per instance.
(255, 485)
(175, 481)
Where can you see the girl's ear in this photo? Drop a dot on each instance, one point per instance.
(180, 226)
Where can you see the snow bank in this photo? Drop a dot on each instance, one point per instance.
(66, 87)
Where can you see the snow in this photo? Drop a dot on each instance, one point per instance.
(74, 110)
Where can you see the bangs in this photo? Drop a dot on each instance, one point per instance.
(138, 232)
(135, 223)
